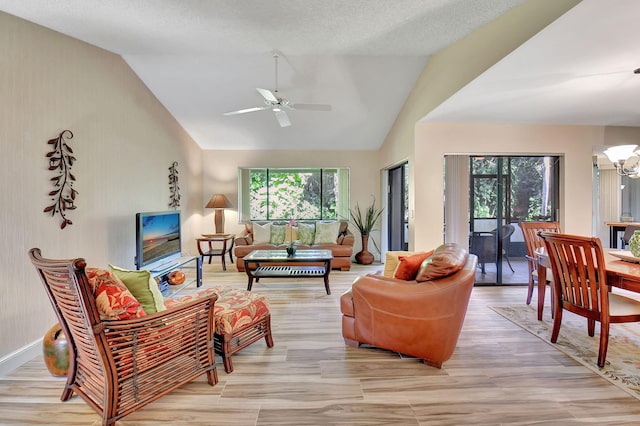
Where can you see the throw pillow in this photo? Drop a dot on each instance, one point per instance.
(306, 232)
(292, 234)
(391, 262)
(408, 266)
(261, 233)
(278, 232)
(113, 299)
(443, 262)
(326, 232)
(143, 286)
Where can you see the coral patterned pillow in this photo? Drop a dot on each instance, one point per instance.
(112, 297)
(408, 266)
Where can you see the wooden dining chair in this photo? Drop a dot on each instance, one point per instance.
(532, 243)
(580, 284)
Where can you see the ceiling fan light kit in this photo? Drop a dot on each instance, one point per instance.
(278, 104)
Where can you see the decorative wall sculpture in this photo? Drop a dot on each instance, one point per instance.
(174, 189)
(61, 160)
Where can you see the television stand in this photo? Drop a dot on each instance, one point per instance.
(164, 270)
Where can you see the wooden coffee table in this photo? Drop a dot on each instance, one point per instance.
(277, 264)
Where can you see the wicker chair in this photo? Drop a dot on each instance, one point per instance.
(119, 366)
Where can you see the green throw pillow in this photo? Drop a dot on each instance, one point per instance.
(278, 233)
(327, 232)
(143, 287)
(306, 233)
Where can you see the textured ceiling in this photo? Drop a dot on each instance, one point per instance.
(205, 57)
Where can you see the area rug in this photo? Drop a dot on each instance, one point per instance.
(622, 367)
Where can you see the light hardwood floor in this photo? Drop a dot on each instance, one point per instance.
(499, 374)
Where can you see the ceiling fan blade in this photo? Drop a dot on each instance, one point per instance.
(243, 111)
(312, 107)
(283, 118)
(267, 95)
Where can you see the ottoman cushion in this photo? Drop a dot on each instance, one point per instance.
(234, 308)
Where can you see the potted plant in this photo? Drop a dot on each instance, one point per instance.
(365, 222)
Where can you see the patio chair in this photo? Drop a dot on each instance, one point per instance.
(483, 245)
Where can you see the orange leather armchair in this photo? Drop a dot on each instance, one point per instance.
(421, 319)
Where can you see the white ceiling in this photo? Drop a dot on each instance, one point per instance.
(578, 70)
(205, 57)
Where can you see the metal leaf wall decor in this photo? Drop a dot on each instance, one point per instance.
(174, 189)
(61, 160)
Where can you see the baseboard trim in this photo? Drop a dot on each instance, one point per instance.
(15, 359)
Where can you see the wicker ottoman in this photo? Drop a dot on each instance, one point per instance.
(241, 317)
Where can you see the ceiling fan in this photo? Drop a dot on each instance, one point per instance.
(278, 104)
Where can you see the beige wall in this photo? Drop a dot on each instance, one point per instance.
(451, 69)
(221, 175)
(124, 143)
(434, 141)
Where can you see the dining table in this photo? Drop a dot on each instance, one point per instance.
(624, 274)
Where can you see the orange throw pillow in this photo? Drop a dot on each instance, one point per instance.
(408, 266)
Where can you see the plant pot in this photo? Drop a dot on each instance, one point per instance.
(291, 251)
(55, 349)
(364, 257)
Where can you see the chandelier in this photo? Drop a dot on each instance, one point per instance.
(622, 155)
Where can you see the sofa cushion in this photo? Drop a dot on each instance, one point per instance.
(408, 266)
(445, 260)
(306, 232)
(143, 286)
(261, 233)
(113, 299)
(277, 234)
(327, 232)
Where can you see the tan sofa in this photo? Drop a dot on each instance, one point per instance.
(342, 250)
(421, 319)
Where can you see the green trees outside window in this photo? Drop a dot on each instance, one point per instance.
(526, 185)
(301, 194)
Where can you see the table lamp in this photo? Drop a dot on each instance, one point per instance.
(219, 202)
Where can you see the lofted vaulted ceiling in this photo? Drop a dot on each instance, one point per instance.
(202, 58)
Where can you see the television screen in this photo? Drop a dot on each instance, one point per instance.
(157, 238)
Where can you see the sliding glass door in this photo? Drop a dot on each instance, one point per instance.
(503, 191)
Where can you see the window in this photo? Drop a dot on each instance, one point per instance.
(301, 194)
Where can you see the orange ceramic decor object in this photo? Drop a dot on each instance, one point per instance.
(176, 277)
(55, 349)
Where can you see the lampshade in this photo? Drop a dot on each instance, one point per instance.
(619, 155)
(219, 201)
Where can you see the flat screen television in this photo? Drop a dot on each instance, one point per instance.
(158, 242)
